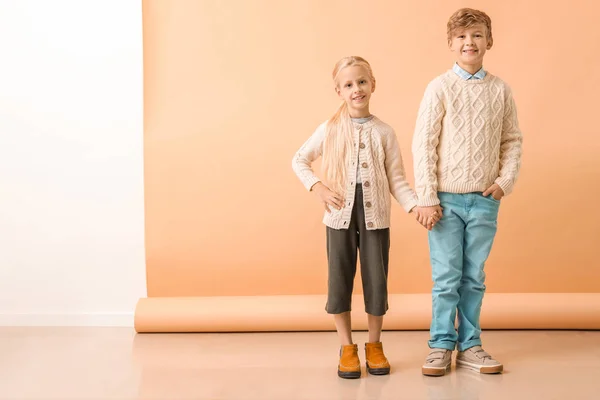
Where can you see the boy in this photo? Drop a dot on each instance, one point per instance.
(467, 156)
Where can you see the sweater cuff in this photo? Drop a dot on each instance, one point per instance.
(409, 205)
(429, 201)
(310, 182)
(505, 184)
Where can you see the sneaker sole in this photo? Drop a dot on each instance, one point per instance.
(496, 369)
(377, 371)
(349, 375)
(436, 371)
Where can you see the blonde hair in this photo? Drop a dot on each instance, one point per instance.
(338, 142)
(466, 18)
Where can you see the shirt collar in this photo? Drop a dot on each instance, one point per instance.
(466, 75)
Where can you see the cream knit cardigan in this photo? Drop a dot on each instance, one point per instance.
(377, 156)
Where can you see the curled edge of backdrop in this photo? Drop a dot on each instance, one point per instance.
(407, 312)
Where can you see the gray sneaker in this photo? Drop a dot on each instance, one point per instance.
(478, 360)
(437, 362)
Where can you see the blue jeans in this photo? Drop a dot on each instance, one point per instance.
(459, 246)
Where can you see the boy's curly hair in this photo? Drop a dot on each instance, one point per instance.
(466, 18)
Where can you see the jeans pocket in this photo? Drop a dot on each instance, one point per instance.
(491, 197)
(497, 202)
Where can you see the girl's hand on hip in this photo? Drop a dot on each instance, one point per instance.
(328, 197)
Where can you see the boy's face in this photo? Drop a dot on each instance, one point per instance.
(469, 45)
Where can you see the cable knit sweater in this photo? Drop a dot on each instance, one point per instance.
(378, 155)
(467, 137)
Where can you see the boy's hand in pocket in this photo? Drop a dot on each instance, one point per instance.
(496, 191)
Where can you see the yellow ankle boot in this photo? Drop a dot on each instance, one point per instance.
(349, 366)
(377, 363)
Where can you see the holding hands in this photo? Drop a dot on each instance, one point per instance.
(428, 216)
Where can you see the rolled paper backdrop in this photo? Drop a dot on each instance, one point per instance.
(407, 312)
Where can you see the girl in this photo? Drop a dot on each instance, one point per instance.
(362, 164)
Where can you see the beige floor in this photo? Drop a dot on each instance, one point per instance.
(115, 363)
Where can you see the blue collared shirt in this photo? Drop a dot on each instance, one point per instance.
(466, 75)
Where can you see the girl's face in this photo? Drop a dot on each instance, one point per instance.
(355, 87)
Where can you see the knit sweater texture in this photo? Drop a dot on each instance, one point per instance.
(466, 138)
(378, 156)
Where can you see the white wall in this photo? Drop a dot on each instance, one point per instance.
(71, 162)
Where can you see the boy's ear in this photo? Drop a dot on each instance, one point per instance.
(490, 44)
(374, 85)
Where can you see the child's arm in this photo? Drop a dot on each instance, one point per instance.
(425, 141)
(394, 167)
(304, 157)
(301, 164)
(510, 146)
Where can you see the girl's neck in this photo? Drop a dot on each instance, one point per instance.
(364, 113)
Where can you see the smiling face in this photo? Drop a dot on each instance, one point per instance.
(355, 86)
(469, 46)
